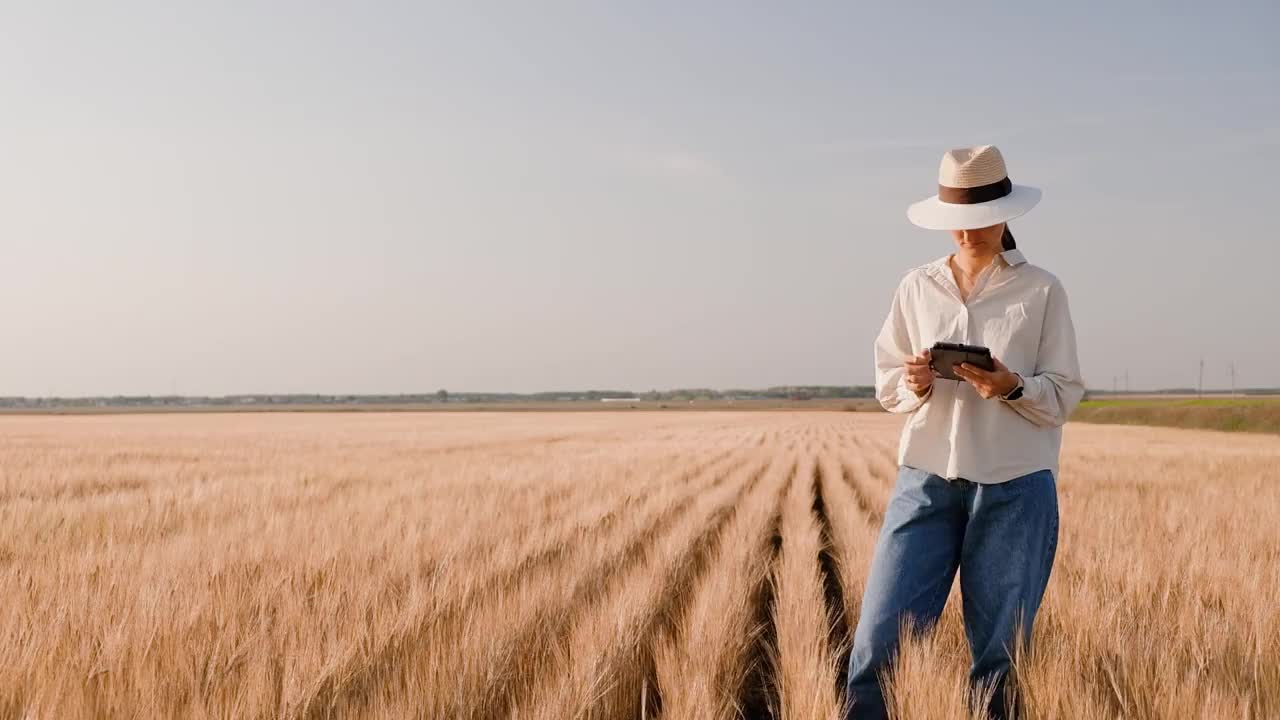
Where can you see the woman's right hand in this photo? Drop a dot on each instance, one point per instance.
(919, 377)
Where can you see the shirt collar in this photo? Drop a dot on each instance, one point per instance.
(1013, 257)
(942, 272)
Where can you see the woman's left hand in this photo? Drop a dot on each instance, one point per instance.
(992, 384)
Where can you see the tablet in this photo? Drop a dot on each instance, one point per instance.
(943, 358)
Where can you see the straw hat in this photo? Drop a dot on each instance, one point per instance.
(973, 191)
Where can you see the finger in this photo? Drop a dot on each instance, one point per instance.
(975, 370)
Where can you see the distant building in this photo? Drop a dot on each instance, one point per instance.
(630, 399)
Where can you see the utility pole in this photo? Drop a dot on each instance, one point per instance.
(1233, 377)
(1200, 385)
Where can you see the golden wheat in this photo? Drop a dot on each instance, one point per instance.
(590, 565)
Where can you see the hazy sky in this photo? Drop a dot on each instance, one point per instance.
(219, 197)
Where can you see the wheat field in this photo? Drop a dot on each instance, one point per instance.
(590, 565)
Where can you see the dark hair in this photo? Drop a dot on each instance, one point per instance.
(1007, 239)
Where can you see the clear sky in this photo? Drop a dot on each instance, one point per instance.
(384, 197)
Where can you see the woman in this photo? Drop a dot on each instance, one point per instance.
(978, 458)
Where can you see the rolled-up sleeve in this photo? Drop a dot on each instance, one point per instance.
(893, 347)
(1053, 392)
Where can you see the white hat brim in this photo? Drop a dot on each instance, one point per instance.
(933, 214)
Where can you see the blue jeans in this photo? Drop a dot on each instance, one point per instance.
(1001, 537)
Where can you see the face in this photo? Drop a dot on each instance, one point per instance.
(980, 240)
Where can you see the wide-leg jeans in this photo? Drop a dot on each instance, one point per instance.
(1001, 537)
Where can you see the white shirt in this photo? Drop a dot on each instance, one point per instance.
(1020, 311)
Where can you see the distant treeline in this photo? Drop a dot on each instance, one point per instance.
(785, 392)
(780, 392)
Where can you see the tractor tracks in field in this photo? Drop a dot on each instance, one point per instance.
(352, 687)
(760, 699)
(836, 612)
(689, 569)
(590, 588)
(351, 684)
(522, 662)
